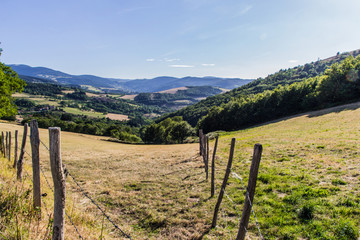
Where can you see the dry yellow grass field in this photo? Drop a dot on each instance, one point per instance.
(160, 191)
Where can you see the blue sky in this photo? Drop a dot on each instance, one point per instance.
(149, 38)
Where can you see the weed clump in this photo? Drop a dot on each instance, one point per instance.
(346, 230)
(338, 182)
(306, 212)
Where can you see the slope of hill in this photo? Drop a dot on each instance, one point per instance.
(194, 113)
(125, 85)
(308, 183)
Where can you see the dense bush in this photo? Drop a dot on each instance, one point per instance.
(171, 130)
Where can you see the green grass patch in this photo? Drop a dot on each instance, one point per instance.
(81, 112)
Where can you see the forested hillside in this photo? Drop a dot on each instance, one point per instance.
(338, 85)
(194, 113)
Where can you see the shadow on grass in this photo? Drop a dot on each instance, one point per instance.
(335, 109)
(207, 230)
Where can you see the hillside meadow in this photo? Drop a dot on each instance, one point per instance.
(308, 182)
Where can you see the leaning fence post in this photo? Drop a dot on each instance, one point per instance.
(9, 151)
(35, 143)
(213, 168)
(223, 186)
(16, 149)
(249, 197)
(201, 141)
(22, 151)
(59, 183)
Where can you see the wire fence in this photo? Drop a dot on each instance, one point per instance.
(52, 190)
(238, 177)
(66, 172)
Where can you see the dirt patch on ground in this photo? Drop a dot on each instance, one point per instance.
(129, 97)
(120, 117)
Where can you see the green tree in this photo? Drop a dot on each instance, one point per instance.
(180, 131)
(9, 84)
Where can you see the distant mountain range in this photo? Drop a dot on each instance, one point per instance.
(42, 74)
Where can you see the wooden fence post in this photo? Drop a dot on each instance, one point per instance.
(59, 183)
(7, 145)
(16, 149)
(213, 168)
(35, 143)
(22, 151)
(207, 157)
(200, 141)
(1, 143)
(249, 197)
(9, 153)
(204, 151)
(223, 186)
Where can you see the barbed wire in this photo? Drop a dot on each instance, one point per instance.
(42, 200)
(226, 225)
(44, 145)
(238, 177)
(253, 211)
(72, 223)
(83, 192)
(102, 211)
(234, 205)
(235, 175)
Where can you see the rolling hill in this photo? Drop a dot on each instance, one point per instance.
(123, 85)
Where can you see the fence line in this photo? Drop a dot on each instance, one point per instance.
(248, 205)
(205, 150)
(256, 221)
(103, 212)
(66, 172)
(52, 190)
(28, 175)
(83, 192)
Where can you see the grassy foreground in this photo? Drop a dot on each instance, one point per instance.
(308, 183)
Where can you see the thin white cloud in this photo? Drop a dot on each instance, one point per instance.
(150, 60)
(181, 66)
(263, 36)
(208, 64)
(293, 61)
(245, 10)
(171, 59)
